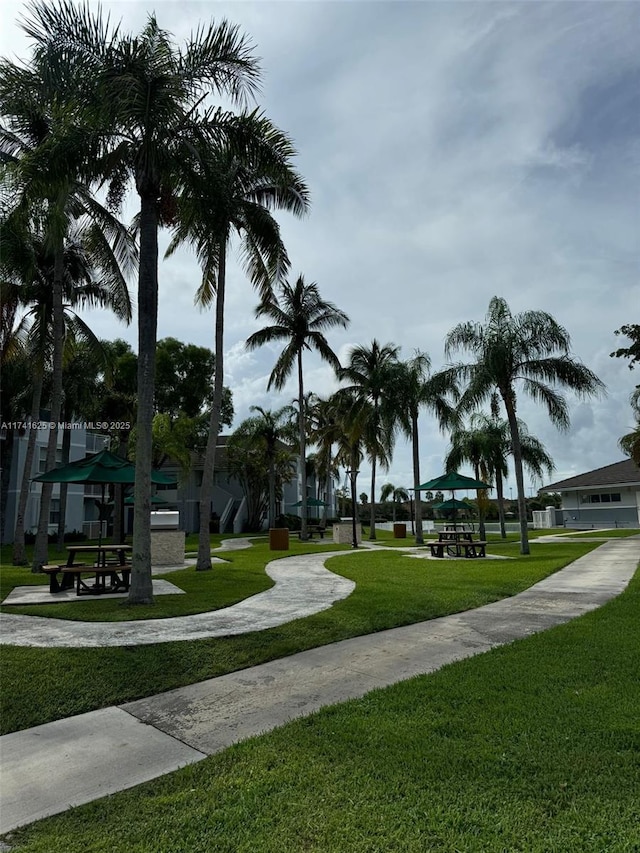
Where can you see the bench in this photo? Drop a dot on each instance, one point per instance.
(67, 582)
(471, 549)
(118, 582)
(314, 528)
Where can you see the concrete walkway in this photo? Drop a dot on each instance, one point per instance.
(302, 587)
(51, 767)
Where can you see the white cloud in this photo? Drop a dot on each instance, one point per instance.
(453, 152)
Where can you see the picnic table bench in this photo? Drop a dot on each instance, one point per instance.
(314, 528)
(119, 577)
(461, 548)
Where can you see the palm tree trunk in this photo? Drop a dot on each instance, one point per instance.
(480, 498)
(118, 496)
(372, 513)
(7, 453)
(416, 478)
(500, 491)
(303, 452)
(203, 563)
(64, 487)
(141, 590)
(41, 547)
(19, 556)
(272, 489)
(517, 464)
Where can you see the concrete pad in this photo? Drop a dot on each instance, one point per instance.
(48, 769)
(41, 595)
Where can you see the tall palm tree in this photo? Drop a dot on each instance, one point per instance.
(231, 194)
(300, 317)
(33, 263)
(148, 96)
(46, 146)
(414, 388)
(369, 374)
(529, 351)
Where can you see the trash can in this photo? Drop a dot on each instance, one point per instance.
(399, 531)
(278, 538)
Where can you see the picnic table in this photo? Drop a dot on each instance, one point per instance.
(457, 543)
(116, 569)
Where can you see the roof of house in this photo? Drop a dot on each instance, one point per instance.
(620, 473)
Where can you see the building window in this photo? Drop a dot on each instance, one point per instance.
(604, 498)
(54, 511)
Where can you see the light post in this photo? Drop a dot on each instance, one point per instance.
(353, 474)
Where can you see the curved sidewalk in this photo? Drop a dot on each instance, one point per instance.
(51, 767)
(302, 587)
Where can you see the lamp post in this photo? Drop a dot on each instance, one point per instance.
(353, 474)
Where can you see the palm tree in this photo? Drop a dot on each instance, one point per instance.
(398, 494)
(369, 374)
(32, 262)
(493, 438)
(630, 443)
(148, 97)
(300, 317)
(235, 194)
(45, 147)
(529, 350)
(349, 415)
(324, 431)
(414, 388)
(273, 429)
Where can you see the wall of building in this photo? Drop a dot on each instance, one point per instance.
(578, 506)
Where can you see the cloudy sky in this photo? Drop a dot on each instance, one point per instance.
(454, 151)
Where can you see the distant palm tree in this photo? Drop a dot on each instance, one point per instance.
(369, 375)
(630, 443)
(493, 436)
(273, 429)
(300, 317)
(529, 350)
(398, 494)
(414, 388)
(324, 432)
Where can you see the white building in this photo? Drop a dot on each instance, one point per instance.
(606, 497)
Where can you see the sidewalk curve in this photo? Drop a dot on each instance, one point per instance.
(303, 586)
(51, 767)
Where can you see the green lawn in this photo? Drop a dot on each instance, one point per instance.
(241, 576)
(40, 685)
(530, 748)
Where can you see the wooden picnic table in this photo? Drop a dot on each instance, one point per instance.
(116, 569)
(457, 543)
(101, 551)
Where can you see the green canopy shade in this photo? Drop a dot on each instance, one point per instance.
(452, 481)
(454, 503)
(310, 502)
(155, 499)
(99, 468)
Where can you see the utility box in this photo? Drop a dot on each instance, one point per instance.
(167, 542)
(399, 531)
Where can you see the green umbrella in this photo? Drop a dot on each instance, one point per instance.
(454, 503)
(99, 469)
(452, 481)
